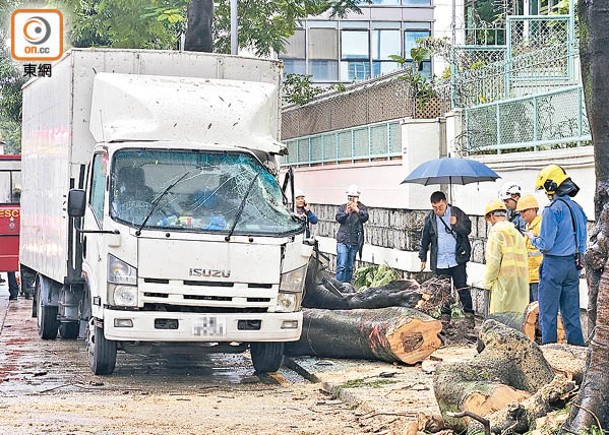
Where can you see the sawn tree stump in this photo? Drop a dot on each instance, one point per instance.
(509, 369)
(387, 334)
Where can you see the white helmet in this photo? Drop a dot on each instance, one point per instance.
(298, 193)
(508, 189)
(353, 190)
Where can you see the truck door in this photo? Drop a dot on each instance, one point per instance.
(94, 253)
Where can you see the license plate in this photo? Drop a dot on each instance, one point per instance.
(209, 326)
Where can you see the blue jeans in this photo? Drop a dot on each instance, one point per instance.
(345, 259)
(559, 289)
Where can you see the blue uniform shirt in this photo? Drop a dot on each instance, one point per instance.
(556, 233)
(446, 243)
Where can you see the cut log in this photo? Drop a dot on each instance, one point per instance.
(510, 368)
(323, 291)
(390, 334)
(528, 322)
(532, 329)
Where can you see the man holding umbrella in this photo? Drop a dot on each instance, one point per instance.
(445, 233)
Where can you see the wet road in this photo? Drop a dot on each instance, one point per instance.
(31, 365)
(46, 387)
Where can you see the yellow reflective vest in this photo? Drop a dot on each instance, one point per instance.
(533, 253)
(506, 275)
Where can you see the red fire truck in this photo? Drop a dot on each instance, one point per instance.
(10, 192)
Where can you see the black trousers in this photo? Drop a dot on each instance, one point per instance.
(13, 287)
(459, 275)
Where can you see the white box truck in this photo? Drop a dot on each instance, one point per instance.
(152, 212)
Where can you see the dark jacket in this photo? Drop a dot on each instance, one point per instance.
(351, 230)
(514, 217)
(429, 237)
(309, 217)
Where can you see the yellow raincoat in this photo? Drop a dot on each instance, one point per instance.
(535, 256)
(506, 274)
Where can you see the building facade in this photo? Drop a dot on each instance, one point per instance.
(358, 46)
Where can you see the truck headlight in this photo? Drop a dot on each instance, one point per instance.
(120, 272)
(293, 281)
(125, 296)
(288, 302)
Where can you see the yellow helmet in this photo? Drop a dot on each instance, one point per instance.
(527, 202)
(494, 205)
(549, 178)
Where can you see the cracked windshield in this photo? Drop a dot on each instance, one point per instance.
(198, 191)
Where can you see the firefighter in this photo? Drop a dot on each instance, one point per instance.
(561, 240)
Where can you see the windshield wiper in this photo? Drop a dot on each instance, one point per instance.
(155, 202)
(241, 207)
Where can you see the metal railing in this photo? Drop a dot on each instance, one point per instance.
(539, 54)
(381, 140)
(555, 119)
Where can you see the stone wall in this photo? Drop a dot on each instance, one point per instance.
(396, 228)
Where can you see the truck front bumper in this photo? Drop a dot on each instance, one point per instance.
(195, 327)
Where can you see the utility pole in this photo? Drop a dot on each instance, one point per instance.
(234, 27)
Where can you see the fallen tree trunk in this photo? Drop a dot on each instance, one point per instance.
(510, 368)
(388, 334)
(323, 291)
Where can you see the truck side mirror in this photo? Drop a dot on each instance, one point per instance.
(77, 201)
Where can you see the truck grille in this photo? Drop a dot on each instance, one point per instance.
(188, 309)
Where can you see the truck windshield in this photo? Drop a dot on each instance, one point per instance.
(197, 191)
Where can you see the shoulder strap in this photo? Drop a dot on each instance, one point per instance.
(572, 223)
(448, 229)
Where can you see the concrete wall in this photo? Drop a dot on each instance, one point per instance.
(422, 140)
(397, 210)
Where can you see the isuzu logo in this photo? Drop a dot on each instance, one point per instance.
(209, 273)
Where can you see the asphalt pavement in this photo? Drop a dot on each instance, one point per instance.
(374, 388)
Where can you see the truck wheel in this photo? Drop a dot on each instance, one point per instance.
(102, 352)
(46, 318)
(69, 330)
(266, 357)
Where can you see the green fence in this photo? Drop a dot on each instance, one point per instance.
(539, 55)
(370, 142)
(555, 119)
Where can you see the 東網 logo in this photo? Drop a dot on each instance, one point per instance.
(36, 34)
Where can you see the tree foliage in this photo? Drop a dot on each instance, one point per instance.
(299, 89)
(11, 81)
(151, 24)
(265, 26)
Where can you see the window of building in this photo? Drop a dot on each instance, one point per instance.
(385, 43)
(355, 55)
(416, 2)
(410, 40)
(294, 66)
(294, 55)
(324, 70)
(323, 54)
